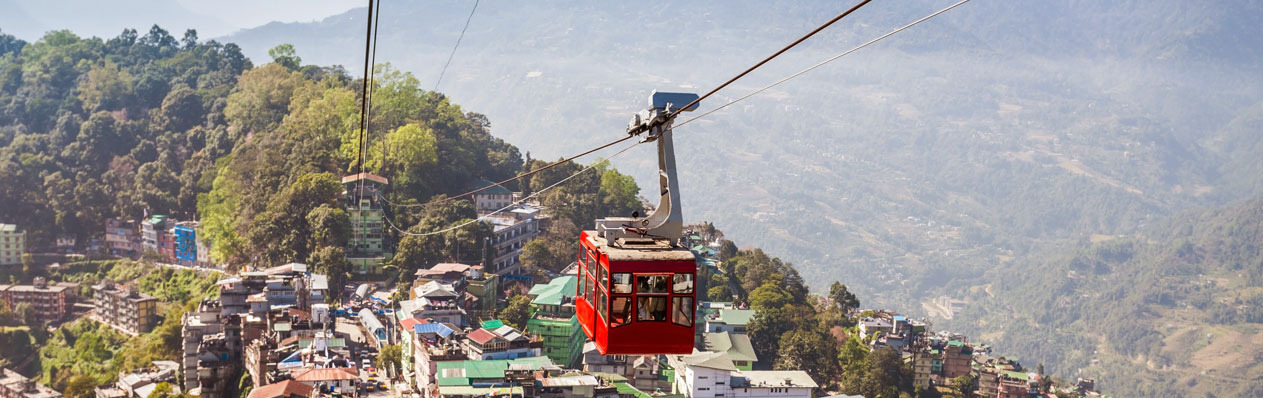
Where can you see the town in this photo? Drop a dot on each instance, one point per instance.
(455, 330)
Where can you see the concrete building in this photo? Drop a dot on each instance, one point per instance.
(494, 198)
(51, 302)
(188, 244)
(737, 346)
(429, 345)
(957, 359)
(367, 248)
(470, 379)
(14, 385)
(142, 382)
(501, 342)
(121, 238)
(729, 320)
(553, 319)
(512, 232)
(156, 236)
(712, 374)
(125, 308)
(435, 302)
(284, 389)
(12, 244)
(643, 372)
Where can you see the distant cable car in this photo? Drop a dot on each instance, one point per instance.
(636, 292)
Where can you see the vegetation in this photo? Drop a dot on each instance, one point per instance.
(517, 312)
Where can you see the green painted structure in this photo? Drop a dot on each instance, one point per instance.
(553, 319)
(367, 248)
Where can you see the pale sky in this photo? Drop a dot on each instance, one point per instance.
(29, 19)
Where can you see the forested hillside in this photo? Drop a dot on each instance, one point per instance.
(1174, 311)
(96, 129)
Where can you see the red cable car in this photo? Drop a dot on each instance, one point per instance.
(636, 292)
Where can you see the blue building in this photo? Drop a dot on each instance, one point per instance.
(186, 242)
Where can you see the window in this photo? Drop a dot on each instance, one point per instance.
(683, 284)
(683, 313)
(620, 311)
(622, 283)
(652, 308)
(601, 303)
(651, 284)
(602, 275)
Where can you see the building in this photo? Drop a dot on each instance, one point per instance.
(125, 308)
(367, 248)
(121, 238)
(495, 340)
(737, 346)
(12, 244)
(156, 236)
(957, 359)
(435, 302)
(712, 374)
(50, 302)
(14, 385)
(484, 290)
(470, 379)
(343, 379)
(142, 382)
(431, 344)
(729, 320)
(284, 389)
(554, 321)
(645, 372)
(512, 232)
(493, 197)
(187, 244)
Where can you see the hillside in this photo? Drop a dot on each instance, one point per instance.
(1174, 311)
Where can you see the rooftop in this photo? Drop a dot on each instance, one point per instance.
(8, 228)
(713, 360)
(285, 388)
(495, 189)
(365, 176)
(737, 346)
(735, 317)
(778, 378)
(459, 373)
(328, 374)
(552, 292)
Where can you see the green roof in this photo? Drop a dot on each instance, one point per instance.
(459, 373)
(551, 293)
(492, 324)
(336, 342)
(494, 190)
(957, 343)
(627, 389)
(735, 317)
(737, 346)
(1016, 375)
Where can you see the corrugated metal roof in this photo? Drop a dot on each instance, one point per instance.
(551, 293)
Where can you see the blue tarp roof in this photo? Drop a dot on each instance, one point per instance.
(436, 328)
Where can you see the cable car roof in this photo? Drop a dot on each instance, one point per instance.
(658, 253)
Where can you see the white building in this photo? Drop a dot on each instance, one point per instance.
(712, 374)
(512, 232)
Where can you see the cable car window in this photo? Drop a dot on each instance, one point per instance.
(591, 291)
(652, 309)
(652, 284)
(683, 284)
(602, 275)
(622, 283)
(620, 311)
(582, 287)
(601, 303)
(682, 313)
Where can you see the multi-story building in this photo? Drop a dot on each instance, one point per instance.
(957, 359)
(484, 290)
(125, 308)
(736, 345)
(121, 238)
(489, 378)
(429, 344)
(155, 235)
(14, 385)
(435, 302)
(367, 247)
(712, 374)
(491, 199)
(187, 243)
(644, 372)
(50, 302)
(554, 321)
(502, 342)
(512, 232)
(729, 320)
(12, 244)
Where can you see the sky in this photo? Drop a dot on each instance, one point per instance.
(30, 19)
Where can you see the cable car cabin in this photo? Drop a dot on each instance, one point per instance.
(636, 296)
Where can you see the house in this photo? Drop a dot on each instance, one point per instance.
(125, 307)
(343, 379)
(644, 372)
(871, 326)
(492, 196)
(121, 238)
(729, 320)
(737, 346)
(51, 302)
(284, 389)
(553, 319)
(155, 234)
(498, 341)
(712, 374)
(491, 377)
(12, 244)
(14, 385)
(367, 248)
(188, 244)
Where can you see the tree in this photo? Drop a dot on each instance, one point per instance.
(331, 261)
(843, 298)
(285, 55)
(26, 313)
(965, 385)
(767, 326)
(390, 358)
(517, 312)
(83, 386)
(769, 296)
(809, 350)
(329, 226)
(727, 250)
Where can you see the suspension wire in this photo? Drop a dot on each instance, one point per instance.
(458, 38)
(518, 177)
(770, 57)
(515, 203)
(372, 86)
(831, 59)
(368, 41)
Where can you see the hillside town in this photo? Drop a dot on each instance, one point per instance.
(282, 330)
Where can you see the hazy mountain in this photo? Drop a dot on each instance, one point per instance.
(30, 19)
